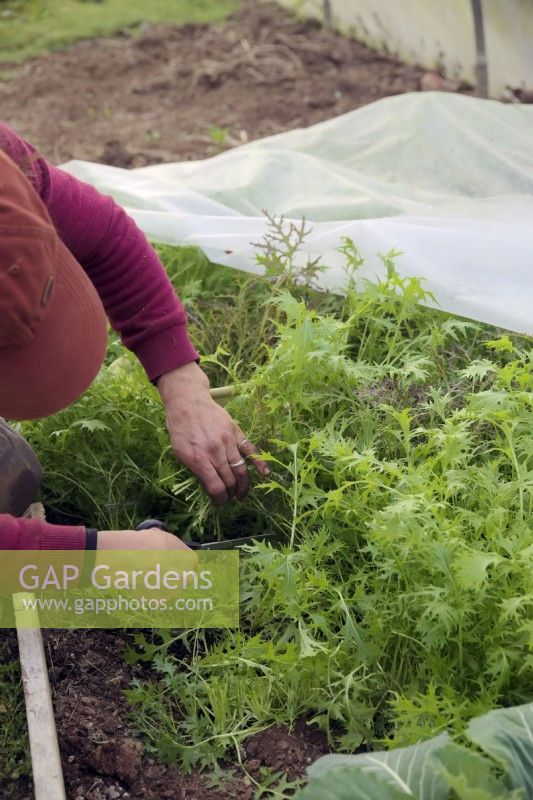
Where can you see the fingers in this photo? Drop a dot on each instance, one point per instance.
(231, 468)
(238, 451)
(212, 464)
(209, 442)
(152, 539)
(220, 480)
(226, 474)
(212, 481)
(239, 470)
(249, 451)
(166, 541)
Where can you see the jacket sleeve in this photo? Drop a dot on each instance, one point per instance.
(33, 534)
(126, 271)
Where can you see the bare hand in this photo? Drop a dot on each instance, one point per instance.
(152, 539)
(204, 437)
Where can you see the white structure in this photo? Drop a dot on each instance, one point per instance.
(446, 179)
(440, 35)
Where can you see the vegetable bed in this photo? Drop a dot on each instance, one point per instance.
(397, 603)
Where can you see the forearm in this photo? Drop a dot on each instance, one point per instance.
(33, 534)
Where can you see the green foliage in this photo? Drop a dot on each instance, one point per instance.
(398, 603)
(31, 27)
(507, 736)
(437, 769)
(219, 137)
(401, 481)
(107, 458)
(14, 746)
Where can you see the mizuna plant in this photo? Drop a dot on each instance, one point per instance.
(398, 602)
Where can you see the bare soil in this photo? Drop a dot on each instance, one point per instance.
(102, 758)
(163, 93)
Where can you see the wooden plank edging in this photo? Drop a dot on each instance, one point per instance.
(44, 748)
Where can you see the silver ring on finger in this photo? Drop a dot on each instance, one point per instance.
(238, 463)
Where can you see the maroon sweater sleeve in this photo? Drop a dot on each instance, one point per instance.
(32, 534)
(130, 279)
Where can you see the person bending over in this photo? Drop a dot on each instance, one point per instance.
(69, 256)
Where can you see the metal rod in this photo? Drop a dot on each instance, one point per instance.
(328, 15)
(481, 71)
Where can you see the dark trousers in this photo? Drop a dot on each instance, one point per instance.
(20, 472)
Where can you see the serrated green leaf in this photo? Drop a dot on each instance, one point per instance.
(478, 370)
(503, 344)
(472, 568)
(90, 425)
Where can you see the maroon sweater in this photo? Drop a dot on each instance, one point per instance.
(131, 281)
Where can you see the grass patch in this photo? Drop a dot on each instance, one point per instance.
(31, 27)
(14, 745)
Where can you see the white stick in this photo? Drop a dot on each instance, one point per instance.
(46, 761)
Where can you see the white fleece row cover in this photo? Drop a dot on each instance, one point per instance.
(446, 179)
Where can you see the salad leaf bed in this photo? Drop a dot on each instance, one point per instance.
(397, 603)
